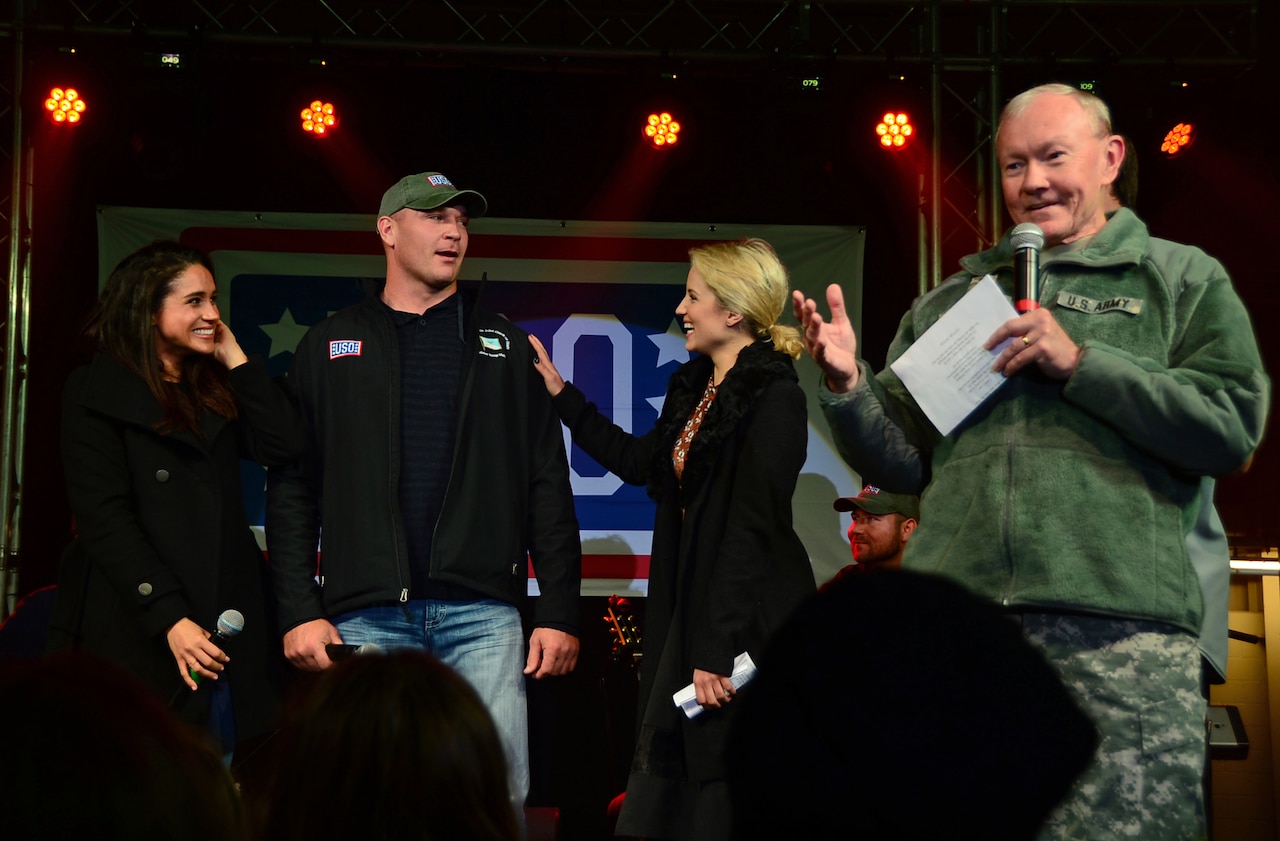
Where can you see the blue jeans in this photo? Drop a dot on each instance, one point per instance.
(482, 640)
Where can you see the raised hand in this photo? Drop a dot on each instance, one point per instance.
(832, 344)
(225, 347)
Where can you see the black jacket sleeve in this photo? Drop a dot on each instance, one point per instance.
(555, 545)
(293, 522)
(627, 456)
(269, 429)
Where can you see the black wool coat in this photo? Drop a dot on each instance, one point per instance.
(726, 566)
(162, 533)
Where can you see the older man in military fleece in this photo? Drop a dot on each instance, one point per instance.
(1067, 496)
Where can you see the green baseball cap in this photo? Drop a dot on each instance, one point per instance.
(427, 191)
(875, 501)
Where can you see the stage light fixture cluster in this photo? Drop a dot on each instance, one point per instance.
(319, 118)
(895, 130)
(65, 106)
(1178, 139)
(662, 130)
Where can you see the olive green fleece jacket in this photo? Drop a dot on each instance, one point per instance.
(1077, 495)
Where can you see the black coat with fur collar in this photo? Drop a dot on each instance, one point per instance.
(726, 565)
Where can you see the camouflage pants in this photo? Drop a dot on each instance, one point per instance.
(1140, 683)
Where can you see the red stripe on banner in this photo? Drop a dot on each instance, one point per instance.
(604, 249)
(210, 240)
(612, 566)
(495, 246)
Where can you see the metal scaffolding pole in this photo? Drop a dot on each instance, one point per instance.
(15, 337)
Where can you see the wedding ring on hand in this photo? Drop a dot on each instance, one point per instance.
(1026, 341)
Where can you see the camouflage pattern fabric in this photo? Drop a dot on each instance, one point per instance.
(1140, 683)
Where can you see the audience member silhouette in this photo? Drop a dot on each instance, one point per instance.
(92, 752)
(902, 707)
(395, 746)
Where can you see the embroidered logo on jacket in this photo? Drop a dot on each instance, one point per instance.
(344, 347)
(493, 343)
(1079, 303)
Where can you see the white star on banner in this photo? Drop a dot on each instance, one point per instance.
(284, 334)
(670, 349)
(670, 345)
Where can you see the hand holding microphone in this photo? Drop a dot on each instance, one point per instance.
(230, 623)
(1027, 240)
(1037, 338)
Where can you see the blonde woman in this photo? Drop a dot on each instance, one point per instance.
(726, 565)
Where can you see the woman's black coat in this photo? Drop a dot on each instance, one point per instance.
(726, 566)
(162, 533)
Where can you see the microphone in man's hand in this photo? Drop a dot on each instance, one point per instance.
(341, 650)
(1027, 240)
(230, 623)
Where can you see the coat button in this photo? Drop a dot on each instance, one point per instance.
(144, 589)
(162, 475)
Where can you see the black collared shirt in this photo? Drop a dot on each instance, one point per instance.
(431, 353)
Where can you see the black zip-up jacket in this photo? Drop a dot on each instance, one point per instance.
(508, 498)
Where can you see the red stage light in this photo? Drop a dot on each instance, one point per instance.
(319, 118)
(1179, 139)
(661, 130)
(65, 106)
(895, 130)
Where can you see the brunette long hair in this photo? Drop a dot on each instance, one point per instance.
(122, 326)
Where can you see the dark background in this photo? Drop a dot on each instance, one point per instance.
(559, 140)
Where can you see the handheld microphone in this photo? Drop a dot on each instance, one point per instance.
(230, 623)
(1027, 240)
(341, 650)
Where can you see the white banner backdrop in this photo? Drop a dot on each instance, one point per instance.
(601, 295)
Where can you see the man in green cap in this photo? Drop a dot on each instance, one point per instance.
(438, 469)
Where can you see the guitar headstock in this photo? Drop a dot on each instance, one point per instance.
(622, 625)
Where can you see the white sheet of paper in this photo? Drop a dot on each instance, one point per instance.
(947, 370)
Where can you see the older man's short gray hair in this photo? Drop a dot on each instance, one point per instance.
(1097, 110)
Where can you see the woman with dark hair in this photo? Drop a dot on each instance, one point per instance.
(152, 433)
(726, 566)
(388, 746)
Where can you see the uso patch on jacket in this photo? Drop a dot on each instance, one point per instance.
(344, 347)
